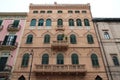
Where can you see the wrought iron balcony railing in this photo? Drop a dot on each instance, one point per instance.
(11, 28)
(61, 45)
(8, 46)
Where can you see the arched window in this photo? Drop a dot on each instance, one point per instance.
(74, 58)
(72, 39)
(86, 22)
(94, 60)
(29, 39)
(21, 78)
(59, 22)
(25, 60)
(60, 59)
(60, 37)
(47, 38)
(48, 22)
(33, 22)
(78, 22)
(45, 59)
(106, 35)
(71, 22)
(98, 78)
(115, 61)
(41, 22)
(90, 39)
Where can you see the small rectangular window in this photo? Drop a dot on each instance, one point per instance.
(35, 11)
(70, 11)
(42, 11)
(49, 11)
(84, 11)
(77, 11)
(59, 11)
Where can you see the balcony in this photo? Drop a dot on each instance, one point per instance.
(8, 46)
(6, 71)
(13, 28)
(59, 45)
(60, 28)
(1, 27)
(59, 69)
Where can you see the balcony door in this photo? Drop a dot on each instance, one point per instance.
(3, 61)
(9, 40)
(60, 59)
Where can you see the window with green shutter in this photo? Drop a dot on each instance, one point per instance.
(90, 39)
(47, 38)
(48, 22)
(33, 22)
(75, 59)
(78, 22)
(41, 22)
(71, 22)
(16, 23)
(73, 39)
(60, 59)
(45, 59)
(25, 60)
(59, 22)
(94, 60)
(86, 22)
(29, 39)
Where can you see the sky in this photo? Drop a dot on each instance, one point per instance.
(99, 8)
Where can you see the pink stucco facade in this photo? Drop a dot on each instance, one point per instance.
(8, 18)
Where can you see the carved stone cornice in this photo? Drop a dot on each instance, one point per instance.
(59, 6)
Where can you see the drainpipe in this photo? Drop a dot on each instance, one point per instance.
(103, 50)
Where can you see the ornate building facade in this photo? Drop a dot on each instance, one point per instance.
(59, 43)
(11, 28)
(108, 34)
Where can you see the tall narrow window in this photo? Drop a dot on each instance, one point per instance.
(71, 22)
(72, 39)
(106, 35)
(94, 60)
(9, 40)
(16, 23)
(74, 58)
(90, 39)
(41, 22)
(21, 78)
(1, 22)
(3, 61)
(29, 39)
(33, 22)
(60, 22)
(45, 59)
(115, 61)
(48, 22)
(47, 38)
(60, 59)
(60, 37)
(25, 60)
(86, 22)
(78, 22)
(98, 78)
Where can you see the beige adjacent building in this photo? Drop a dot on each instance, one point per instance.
(59, 43)
(108, 31)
